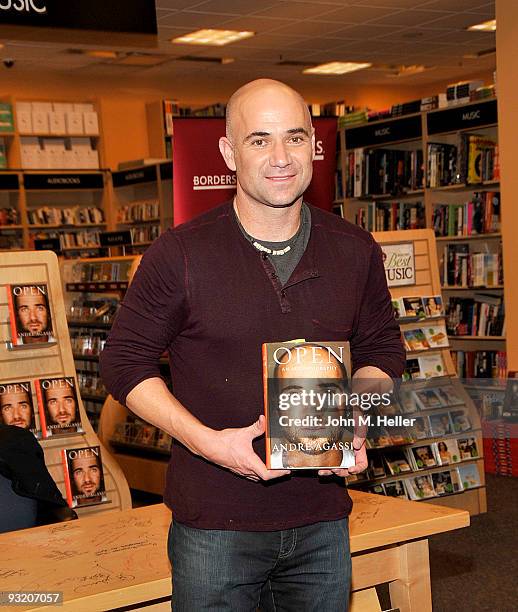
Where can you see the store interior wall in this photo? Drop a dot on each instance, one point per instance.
(122, 100)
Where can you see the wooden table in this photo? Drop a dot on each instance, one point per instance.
(112, 560)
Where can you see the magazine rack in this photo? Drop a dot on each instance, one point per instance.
(54, 360)
(427, 283)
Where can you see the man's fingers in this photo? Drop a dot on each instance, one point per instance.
(258, 428)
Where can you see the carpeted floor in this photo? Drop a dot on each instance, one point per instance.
(476, 569)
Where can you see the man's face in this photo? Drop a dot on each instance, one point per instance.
(86, 474)
(32, 312)
(16, 409)
(61, 405)
(422, 454)
(304, 375)
(273, 147)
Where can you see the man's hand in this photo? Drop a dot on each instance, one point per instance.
(232, 449)
(360, 462)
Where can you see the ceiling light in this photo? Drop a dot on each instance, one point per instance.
(401, 71)
(336, 68)
(212, 37)
(485, 26)
(103, 54)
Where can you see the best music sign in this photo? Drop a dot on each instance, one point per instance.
(399, 263)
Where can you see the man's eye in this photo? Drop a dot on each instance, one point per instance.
(259, 142)
(297, 139)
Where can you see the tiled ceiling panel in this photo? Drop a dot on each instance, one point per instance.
(383, 32)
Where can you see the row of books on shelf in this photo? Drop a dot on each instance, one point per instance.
(462, 268)
(70, 240)
(92, 310)
(3, 154)
(48, 407)
(424, 366)
(90, 383)
(473, 160)
(75, 215)
(426, 486)
(391, 216)
(87, 342)
(396, 461)
(57, 118)
(6, 117)
(138, 433)
(58, 153)
(95, 272)
(481, 215)
(426, 337)
(482, 315)
(420, 307)
(383, 172)
(480, 364)
(142, 210)
(9, 216)
(146, 233)
(456, 94)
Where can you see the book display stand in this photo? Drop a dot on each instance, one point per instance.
(52, 360)
(451, 437)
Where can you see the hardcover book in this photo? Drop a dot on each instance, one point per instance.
(420, 487)
(469, 476)
(468, 448)
(397, 462)
(441, 424)
(447, 451)
(395, 488)
(309, 417)
(446, 482)
(84, 476)
(422, 457)
(58, 406)
(30, 316)
(16, 406)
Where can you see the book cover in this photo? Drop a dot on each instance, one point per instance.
(427, 399)
(395, 488)
(406, 400)
(441, 424)
(423, 457)
(309, 423)
(420, 487)
(412, 370)
(413, 307)
(376, 466)
(431, 365)
(469, 475)
(16, 407)
(377, 489)
(58, 406)
(468, 448)
(436, 336)
(432, 306)
(415, 340)
(399, 308)
(84, 476)
(421, 429)
(461, 420)
(30, 316)
(445, 482)
(447, 451)
(396, 461)
(448, 395)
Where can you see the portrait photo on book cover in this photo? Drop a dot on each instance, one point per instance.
(58, 406)
(84, 476)
(309, 423)
(30, 315)
(16, 407)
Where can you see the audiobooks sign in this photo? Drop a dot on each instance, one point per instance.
(399, 263)
(135, 16)
(202, 179)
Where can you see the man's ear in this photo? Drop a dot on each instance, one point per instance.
(313, 139)
(227, 151)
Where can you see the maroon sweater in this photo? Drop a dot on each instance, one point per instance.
(205, 295)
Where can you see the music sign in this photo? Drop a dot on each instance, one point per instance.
(399, 263)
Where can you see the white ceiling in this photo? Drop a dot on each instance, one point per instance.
(384, 32)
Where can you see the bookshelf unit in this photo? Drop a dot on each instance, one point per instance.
(55, 135)
(143, 202)
(93, 289)
(446, 127)
(462, 415)
(11, 212)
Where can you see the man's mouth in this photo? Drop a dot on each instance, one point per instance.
(281, 179)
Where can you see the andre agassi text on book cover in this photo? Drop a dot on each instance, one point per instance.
(309, 424)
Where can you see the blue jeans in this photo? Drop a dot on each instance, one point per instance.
(304, 569)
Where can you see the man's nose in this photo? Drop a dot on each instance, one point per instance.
(280, 155)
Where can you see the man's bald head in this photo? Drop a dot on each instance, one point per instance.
(275, 90)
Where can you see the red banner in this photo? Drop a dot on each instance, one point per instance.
(201, 179)
(321, 190)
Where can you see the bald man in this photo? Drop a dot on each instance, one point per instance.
(263, 267)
